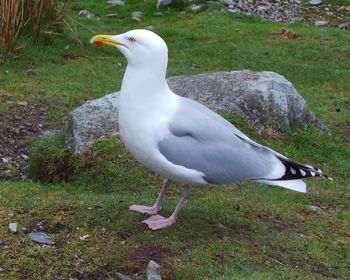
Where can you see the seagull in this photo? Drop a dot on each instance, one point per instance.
(182, 140)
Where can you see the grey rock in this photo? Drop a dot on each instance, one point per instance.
(315, 2)
(13, 227)
(153, 271)
(163, 3)
(40, 237)
(93, 120)
(265, 99)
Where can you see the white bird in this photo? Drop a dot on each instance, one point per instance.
(181, 139)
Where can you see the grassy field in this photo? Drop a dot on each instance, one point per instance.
(241, 231)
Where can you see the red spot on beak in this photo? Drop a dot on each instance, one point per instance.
(98, 43)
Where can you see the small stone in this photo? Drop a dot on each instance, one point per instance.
(5, 160)
(84, 237)
(98, 205)
(112, 3)
(13, 227)
(153, 271)
(122, 276)
(40, 237)
(321, 22)
(226, 2)
(314, 208)
(86, 13)
(220, 226)
(23, 103)
(344, 25)
(25, 157)
(112, 15)
(277, 262)
(30, 71)
(162, 3)
(158, 14)
(315, 2)
(136, 15)
(149, 27)
(195, 66)
(195, 7)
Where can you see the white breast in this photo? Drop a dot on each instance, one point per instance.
(144, 121)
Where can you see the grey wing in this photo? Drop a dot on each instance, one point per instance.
(204, 141)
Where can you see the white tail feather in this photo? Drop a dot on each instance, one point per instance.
(297, 185)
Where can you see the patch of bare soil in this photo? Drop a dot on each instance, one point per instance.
(27, 121)
(279, 225)
(140, 257)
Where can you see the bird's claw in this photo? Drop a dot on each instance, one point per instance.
(158, 222)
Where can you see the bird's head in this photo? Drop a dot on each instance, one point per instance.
(140, 47)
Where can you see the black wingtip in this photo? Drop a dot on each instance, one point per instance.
(296, 170)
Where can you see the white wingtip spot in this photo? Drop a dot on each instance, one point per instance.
(312, 173)
(302, 172)
(293, 171)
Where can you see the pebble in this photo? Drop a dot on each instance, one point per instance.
(315, 2)
(136, 15)
(226, 2)
(86, 13)
(112, 15)
(23, 103)
(153, 271)
(122, 276)
(345, 25)
(321, 22)
(25, 157)
(84, 237)
(158, 14)
(112, 3)
(149, 27)
(13, 227)
(195, 7)
(220, 226)
(5, 160)
(314, 208)
(162, 3)
(40, 237)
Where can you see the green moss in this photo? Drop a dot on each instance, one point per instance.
(50, 161)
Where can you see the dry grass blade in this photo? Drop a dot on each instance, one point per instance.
(17, 16)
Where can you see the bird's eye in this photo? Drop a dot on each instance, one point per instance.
(132, 40)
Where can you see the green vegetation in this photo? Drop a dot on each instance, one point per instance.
(242, 231)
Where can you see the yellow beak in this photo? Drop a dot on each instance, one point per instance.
(104, 40)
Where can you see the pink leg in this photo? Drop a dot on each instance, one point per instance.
(158, 222)
(152, 210)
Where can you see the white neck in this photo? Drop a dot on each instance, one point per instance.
(144, 84)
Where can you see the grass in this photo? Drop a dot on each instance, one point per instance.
(241, 231)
